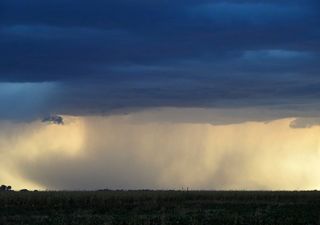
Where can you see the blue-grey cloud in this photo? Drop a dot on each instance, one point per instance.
(25, 101)
(110, 55)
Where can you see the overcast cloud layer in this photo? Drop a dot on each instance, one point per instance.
(106, 56)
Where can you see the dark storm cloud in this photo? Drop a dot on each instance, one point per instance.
(53, 119)
(108, 55)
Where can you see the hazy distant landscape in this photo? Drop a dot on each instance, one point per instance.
(160, 207)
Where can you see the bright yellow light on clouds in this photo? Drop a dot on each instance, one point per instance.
(31, 141)
(119, 152)
(250, 155)
(41, 138)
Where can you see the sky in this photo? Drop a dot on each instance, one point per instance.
(123, 94)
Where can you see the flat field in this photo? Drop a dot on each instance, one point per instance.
(160, 207)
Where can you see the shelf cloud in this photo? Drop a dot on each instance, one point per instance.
(115, 55)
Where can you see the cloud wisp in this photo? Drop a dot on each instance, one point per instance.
(53, 119)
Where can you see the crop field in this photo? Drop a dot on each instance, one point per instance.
(160, 207)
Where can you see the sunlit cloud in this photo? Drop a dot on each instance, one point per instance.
(30, 142)
(124, 152)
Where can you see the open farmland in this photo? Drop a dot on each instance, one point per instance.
(160, 207)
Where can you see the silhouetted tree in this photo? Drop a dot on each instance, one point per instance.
(3, 188)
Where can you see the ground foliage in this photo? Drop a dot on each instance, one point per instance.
(160, 207)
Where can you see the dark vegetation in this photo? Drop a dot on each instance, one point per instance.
(5, 188)
(159, 207)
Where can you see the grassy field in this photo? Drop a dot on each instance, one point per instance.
(160, 207)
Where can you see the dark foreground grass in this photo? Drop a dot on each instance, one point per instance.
(160, 207)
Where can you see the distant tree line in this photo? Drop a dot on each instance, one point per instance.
(5, 188)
